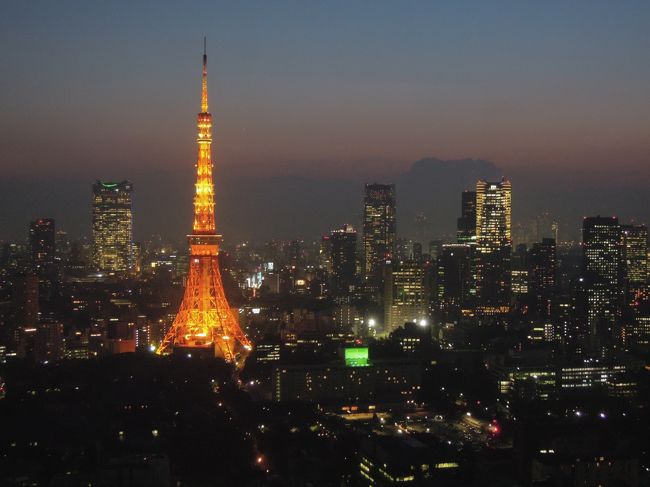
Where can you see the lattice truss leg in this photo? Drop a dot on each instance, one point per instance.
(205, 318)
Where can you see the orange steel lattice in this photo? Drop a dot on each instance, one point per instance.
(205, 320)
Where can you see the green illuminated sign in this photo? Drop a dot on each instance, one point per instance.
(109, 185)
(356, 357)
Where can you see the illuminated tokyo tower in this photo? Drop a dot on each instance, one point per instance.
(205, 320)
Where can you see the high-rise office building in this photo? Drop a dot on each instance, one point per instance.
(113, 226)
(63, 248)
(466, 232)
(542, 276)
(637, 332)
(519, 273)
(493, 245)
(454, 279)
(325, 254)
(635, 261)
(405, 294)
(466, 224)
(344, 255)
(378, 227)
(602, 272)
(42, 240)
(25, 301)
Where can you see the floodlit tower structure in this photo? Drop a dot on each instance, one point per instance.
(205, 321)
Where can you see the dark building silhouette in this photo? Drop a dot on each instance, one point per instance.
(466, 224)
(42, 241)
(343, 247)
(542, 277)
(454, 279)
(25, 300)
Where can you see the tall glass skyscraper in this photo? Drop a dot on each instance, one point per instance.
(493, 245)
(112, 226)
(602, 272)
(378, 227)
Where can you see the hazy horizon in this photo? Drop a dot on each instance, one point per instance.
(305, 207)
(334, 94)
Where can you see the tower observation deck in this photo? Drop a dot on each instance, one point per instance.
(205, 320)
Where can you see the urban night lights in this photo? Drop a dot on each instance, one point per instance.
(379, 310)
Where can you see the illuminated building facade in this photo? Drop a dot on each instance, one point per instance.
(528, 382)
(638, 334)
(519, 272)
(112, 226)
(344, 259)
(268, 351)
(354, 380)
(378, 227)
(635, 261)
(386, 460)
(405, 294)
(602, 271)
(545, 380)
(614, 377)
(519, 282)
(205, 323)
(494, 244)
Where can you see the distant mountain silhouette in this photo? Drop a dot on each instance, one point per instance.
(432, 187)
(306, 208)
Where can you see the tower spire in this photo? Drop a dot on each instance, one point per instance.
(205, 323)
(204, 83)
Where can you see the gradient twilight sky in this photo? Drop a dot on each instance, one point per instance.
(326, 90)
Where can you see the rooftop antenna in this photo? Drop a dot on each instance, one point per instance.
(204, 84)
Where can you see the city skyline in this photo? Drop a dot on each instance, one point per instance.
(567, 107)
(429, 187)
(337, 315)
